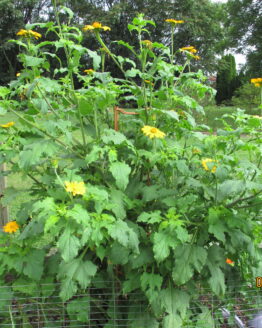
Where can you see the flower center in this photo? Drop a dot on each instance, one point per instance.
(153, 130)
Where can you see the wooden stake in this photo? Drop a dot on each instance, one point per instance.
(118, 110)
(4, 217)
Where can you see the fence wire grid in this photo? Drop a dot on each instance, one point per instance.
(25, 307)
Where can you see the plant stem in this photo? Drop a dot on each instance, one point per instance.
(172, 44)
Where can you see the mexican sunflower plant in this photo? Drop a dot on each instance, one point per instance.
(153, 205)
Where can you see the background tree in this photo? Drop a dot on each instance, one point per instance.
(202, 29)
(226, 78)
(244, 32)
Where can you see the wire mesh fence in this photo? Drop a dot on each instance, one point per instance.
(28, 306)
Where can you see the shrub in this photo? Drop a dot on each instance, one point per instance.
(143, 207)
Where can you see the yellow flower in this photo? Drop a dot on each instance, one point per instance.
(174, 21)
(148, 82)
(35, 34)
(152, 132)
(96, 26)
(76, 188)
(11, 227)
(7, 125)
(22, 32)
(18, 74)
(29, 33)
(89, 71)
(148, 44)
(257, 82)
(196, 57)
(207, 167)
(191, 49)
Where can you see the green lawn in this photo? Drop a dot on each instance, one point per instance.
(213, 114)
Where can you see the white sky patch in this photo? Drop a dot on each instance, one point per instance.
(240, 60)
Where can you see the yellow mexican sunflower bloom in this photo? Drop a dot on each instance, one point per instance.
(152, 132)
(18, 74)
(89, 71)
(148, 44)
(257, 82)
(96, 26)
(149, 82)
(174, 21)
(191, 49)
(196, 57)
(7, 125)
(11, 227)
(29, 33)
(76, 188)
(208, 167)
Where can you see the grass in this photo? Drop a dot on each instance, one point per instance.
(214, 114)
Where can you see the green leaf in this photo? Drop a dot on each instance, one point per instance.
(150, 218)
(31, 61)
(68, 245)
(51, 222)
(120, 172)
(205, 319)
(217, 280)
(79, 215)
(4, 91)
(80, 270)
(85, 106)
(175, 301)
(34, 264)
(79, 309)
(116, 200)
(188, 258)
(171, 113)
(3, 111)
(133, 72)
(6, 296)
(118, 254)
(144, 257)
(96, 59)
(31, 286)
(229, 188)
(126, 236)
(68, 289)
(68, 11)
(172, 321)
(182, 167)
(110, 135)
(33, 152)
(162, 243)
(151, 281)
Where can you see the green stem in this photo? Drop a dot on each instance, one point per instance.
(96, 125)
(261, 101)
(110, 53)
(172, 44)
(81, 126)
(47, 102)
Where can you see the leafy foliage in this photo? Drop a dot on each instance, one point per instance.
(142, 211)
